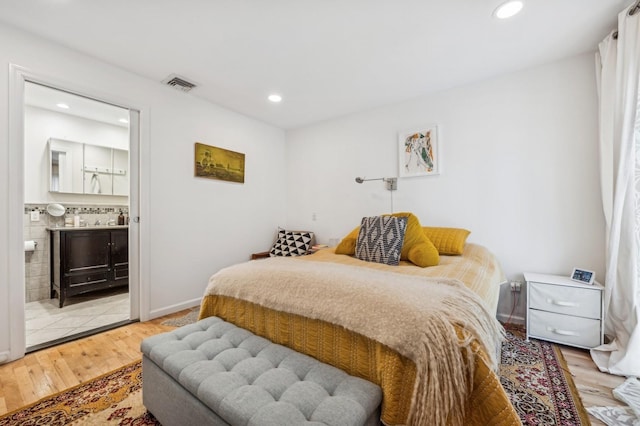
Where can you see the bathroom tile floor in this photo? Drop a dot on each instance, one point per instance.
(45, 321)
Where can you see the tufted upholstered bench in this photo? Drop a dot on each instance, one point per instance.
(214, 373)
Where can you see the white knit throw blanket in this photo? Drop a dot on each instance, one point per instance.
(413, 315)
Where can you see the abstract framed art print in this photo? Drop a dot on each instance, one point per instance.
(418, 152)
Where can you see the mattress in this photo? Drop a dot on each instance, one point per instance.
(332, 342)
(477, 268)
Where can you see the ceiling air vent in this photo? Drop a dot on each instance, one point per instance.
(178, 82)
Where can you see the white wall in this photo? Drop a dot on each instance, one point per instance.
(42, 124)
(519, 169)
(195, 226)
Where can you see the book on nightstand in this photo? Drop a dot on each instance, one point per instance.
(314, 248)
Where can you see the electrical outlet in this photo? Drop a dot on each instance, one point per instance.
(314, 216)
(35, 215)
(515, 286)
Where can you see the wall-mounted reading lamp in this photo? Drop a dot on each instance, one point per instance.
(390, 183)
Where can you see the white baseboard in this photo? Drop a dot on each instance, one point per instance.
(174, 308)
(514, 319)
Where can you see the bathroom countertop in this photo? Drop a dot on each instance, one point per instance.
(87, 228)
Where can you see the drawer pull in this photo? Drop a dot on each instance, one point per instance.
(87, 268)
(563, 332)
(562, 303)
(87, 283)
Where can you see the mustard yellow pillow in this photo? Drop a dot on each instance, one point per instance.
(348, 243)
(416, 248)
(448, 241)
(424, 254)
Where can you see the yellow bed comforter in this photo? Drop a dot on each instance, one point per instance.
(371, 360)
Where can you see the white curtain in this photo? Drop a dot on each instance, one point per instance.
(618, 72)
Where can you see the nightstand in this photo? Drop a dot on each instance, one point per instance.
(564, 311)
(261, 255)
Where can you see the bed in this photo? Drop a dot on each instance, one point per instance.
(426, 336)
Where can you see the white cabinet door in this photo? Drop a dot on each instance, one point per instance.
(98, 164)
(120, 172)
(66, 164)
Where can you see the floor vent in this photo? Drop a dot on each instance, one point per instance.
(178, 82)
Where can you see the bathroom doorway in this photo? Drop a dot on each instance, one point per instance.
(77, 199)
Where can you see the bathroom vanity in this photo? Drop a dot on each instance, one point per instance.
(87, 259)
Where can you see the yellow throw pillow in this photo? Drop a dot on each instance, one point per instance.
(416, 248)
(448, 241)
(424, 254)
(348, 243)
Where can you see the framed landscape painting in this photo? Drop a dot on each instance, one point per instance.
(418, 152)
(217, 163)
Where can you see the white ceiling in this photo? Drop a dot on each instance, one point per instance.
(48, 98)
(327, 58)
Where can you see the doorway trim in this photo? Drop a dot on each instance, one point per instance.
(138, 199)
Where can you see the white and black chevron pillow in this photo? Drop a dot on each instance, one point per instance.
(291, 243)
(380, 239)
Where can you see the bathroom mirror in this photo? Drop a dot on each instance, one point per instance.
(66, 160)
(79, 168)
(55, 209)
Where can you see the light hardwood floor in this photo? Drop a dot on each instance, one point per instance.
(594, 386)
(53, 370)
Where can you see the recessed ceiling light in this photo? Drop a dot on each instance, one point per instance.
(63, 106)
(124, 120)
(275, 98)
(508, 9)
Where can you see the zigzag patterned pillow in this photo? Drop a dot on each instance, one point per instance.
(291, 243)
(380, 239)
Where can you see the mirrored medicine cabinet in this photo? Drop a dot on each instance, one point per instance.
(80, 168)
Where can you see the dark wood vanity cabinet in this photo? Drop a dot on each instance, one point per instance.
(120, 256)
(88, 260)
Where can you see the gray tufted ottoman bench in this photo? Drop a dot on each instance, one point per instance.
(214, 373)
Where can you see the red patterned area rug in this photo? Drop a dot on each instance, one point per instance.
(538, 382)
(112, 399)
(534, 374)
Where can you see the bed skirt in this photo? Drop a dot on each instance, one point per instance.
(362, 357)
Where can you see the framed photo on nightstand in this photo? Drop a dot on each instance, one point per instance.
(583, 276)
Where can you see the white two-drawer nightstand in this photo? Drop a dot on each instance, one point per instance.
(564, 311)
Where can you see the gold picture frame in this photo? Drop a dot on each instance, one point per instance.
(217, 163)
